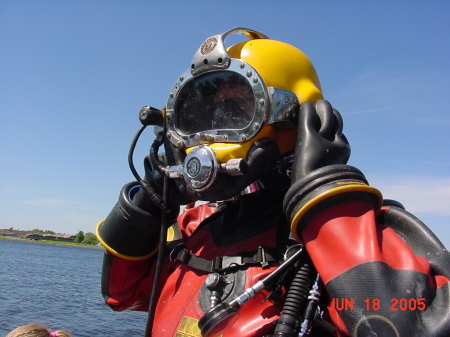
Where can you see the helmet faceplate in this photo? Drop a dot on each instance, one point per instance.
(225, 106)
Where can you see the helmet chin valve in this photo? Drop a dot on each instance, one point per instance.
(201, 167)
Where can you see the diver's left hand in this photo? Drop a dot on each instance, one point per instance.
(320, 140)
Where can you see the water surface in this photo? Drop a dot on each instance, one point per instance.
(59, 286)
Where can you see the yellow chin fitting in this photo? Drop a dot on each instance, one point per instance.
(284, 136)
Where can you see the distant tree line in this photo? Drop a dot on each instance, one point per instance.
(87, 239)
(43, 232)
(81, 237)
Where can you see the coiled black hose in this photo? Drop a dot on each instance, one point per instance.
(295, 303)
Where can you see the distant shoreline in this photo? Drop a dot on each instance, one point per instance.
(48, 242)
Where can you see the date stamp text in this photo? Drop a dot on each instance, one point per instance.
(376, 304)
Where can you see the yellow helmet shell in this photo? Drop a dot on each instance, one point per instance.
(282, 66)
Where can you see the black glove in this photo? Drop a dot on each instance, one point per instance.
(320, 141)
(320, 177)
(152, 178)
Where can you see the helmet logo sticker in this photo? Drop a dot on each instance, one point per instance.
(209, 45)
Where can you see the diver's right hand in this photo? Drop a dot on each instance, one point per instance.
(144, 199)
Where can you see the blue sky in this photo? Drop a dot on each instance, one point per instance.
(74, 74)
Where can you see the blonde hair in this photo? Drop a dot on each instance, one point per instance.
(36, 330)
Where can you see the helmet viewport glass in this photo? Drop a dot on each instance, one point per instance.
(215, 101)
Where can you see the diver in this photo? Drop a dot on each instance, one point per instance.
(278, 235)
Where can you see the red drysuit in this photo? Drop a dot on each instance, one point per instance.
(380, 271)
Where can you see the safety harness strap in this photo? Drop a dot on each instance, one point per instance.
(222, 263)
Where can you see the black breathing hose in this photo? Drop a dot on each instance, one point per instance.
(162, 204)
(148, 189)
(296, 300)
(160, 259)
(154, 156)
(131, 152)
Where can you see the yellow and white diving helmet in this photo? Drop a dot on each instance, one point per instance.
(232, 114)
